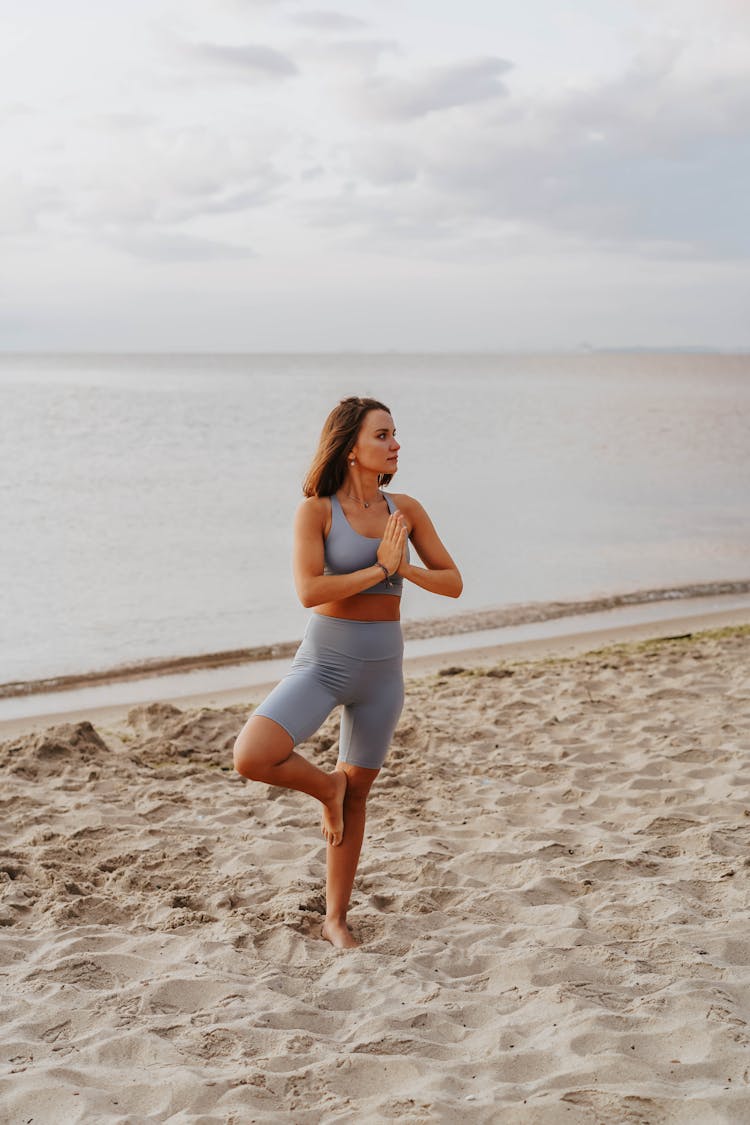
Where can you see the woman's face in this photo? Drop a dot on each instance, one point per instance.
(377, 448)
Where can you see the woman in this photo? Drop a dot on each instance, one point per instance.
(351, 557)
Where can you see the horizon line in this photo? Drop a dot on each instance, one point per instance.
(583, 349)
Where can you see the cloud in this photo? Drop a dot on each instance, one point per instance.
(439, 88)
(22, 203)
(328, 21)
(166, 246)
(407, 223)
(123, 121)
(15, 109)
(385, 162)
(250, 60)
(656, 106)
(171, 192)
(647, 161)
(143, 179)
(355, 55)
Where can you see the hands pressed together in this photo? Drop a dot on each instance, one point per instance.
(392, 549)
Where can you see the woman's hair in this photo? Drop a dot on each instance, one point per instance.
(338, 437)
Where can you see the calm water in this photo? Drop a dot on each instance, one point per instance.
(146, 501)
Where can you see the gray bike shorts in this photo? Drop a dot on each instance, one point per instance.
(355, 663)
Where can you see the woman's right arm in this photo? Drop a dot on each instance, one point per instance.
(316, 588)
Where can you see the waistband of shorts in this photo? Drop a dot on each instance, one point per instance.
(359, 640)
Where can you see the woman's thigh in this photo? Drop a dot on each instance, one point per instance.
(299, 704)
(368, 722)
(261, 742)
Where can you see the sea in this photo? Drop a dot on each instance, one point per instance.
(146, 501)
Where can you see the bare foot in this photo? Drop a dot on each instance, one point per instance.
(339, 934)
(332, 823)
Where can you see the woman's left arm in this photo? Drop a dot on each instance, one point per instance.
(439, 575)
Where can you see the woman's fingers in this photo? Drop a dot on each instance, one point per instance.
(394, 546)
(393, 542)
(395, 531)
(390, 527)
(394, 525)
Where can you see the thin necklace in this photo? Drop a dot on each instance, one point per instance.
(364, 503)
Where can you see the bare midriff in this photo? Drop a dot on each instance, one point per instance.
(363, 607)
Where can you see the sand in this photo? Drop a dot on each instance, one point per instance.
(552, 902)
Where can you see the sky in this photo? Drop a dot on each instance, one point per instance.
(407, 175)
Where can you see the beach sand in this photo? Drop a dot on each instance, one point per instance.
(552, 900)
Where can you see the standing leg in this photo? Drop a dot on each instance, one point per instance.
(342, 861)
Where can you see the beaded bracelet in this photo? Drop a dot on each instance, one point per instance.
(384, 569)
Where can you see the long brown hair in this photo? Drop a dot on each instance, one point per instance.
(338, 437)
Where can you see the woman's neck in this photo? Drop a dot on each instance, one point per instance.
(361, 488)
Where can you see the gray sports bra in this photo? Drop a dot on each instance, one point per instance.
(346, 550)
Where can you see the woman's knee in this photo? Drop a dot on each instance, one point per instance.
(359, 782)
(261, 744)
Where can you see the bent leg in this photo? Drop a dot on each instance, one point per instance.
(264, 751)
(341, 862)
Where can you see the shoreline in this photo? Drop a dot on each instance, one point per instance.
(469, 621)
(522, 644)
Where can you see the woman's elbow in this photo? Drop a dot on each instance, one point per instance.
(458, 586)
(305, 596)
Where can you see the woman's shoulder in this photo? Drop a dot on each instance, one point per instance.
(314, 509)
(405, 503)
(319, 503)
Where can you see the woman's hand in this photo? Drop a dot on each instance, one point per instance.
(393, 543)
(439, 575)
